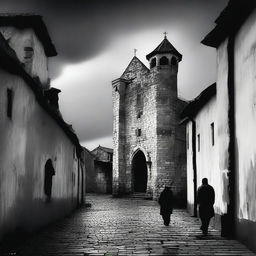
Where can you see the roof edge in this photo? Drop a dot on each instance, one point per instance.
(229, 21)
(199, 102)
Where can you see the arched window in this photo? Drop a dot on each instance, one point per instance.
(174, 61)
(153, 63)
(48, 173)
(164, 61)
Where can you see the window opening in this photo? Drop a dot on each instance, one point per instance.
(9, 102)
(29, 52)
(212, 133)
(164, 61)
(153, 63)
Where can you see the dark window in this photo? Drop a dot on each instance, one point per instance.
(164, 61)
(110, 157)
(139, 114)
(29, 52)
(153, 63)
(173, 61)
(198, 142)
(138, 132)
(212, 133)
(139, 100)
(9, 102)
(48, 173)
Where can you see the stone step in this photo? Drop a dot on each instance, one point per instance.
(140, 195)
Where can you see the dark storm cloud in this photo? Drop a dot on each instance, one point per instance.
(84, 29)
(81, 29)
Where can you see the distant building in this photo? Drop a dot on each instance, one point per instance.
(221, 125)
(41, 166)
(99, 179)
(149, 144)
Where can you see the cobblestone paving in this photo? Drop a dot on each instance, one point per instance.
(123, 227)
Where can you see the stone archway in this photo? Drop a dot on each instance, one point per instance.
(139, 172)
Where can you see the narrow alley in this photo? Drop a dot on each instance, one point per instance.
(122, 227)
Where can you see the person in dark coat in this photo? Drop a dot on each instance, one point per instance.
(166, 204)
(205, 200)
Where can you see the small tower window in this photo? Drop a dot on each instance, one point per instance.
(174, 61)
(153, 63)
(138, 132)
(29, 52)
(139, 114)
(164, 61)
(9, 102)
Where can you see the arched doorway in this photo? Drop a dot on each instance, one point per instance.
(139, 171)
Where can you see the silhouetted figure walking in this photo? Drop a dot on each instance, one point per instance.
(205, 199)
(166, 204)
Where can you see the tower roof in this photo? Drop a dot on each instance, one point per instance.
(165, 47)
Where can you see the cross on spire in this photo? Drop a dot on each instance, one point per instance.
(135, 50)
(165, 33)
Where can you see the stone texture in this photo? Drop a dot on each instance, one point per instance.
(147, 100)
(123, 227)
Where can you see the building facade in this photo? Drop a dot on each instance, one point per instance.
(40, 156)
(228, 117)
(149, 144)
(99, 179)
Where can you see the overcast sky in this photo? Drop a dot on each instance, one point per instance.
(95, 41)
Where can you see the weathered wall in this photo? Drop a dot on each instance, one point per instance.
(207, 158)
(20, 38)
(103, 177)
(222, 120)
(89, 171)
(27, 141)
(141, 84)
(118, 97)
(245, 123)
(171, 151)
(190, 170)
(245, 105)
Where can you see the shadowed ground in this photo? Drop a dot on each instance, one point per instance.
(123, 227)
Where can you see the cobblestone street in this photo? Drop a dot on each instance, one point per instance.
(123, 227)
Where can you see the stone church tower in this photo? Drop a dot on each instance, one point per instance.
(149, 143)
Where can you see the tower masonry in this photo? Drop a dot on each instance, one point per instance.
(149, 143)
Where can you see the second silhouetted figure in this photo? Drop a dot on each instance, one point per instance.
(205, 199)
(166, 204)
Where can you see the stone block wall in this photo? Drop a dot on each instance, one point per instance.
(149, 104)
